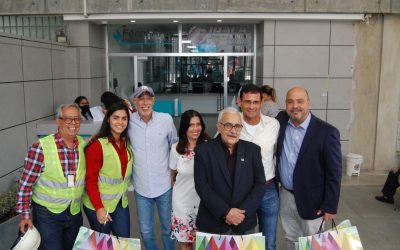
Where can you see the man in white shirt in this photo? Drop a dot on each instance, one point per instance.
(151, 135)
(263, 131)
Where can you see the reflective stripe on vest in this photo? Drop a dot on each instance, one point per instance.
(55, 200)
(105, 179)
(53, 184)
(112, 186)
(51, 190)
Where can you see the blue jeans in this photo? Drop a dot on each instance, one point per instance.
(268, 215)
(57, 231)
(145, 214)
(120, 224)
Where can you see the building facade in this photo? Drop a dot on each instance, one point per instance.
(346, 53)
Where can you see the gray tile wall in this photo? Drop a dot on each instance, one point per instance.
(36, 77)
(317, 55)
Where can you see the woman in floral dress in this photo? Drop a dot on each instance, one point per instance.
(185, 201)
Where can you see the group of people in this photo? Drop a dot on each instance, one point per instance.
(255, 169)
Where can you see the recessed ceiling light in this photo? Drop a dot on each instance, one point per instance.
(175, 21)
(219, 20)
(133, 21)
(103, 22)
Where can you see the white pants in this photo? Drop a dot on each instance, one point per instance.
(293, 225)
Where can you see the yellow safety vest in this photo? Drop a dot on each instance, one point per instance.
(112, 186)
(51, 190)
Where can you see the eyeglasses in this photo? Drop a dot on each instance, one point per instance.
(69, 120)
(229, 126)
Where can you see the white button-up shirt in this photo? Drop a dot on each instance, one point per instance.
(151, 143)
(265, 136)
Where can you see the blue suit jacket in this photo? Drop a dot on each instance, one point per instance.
(215, 188)
(318, 171)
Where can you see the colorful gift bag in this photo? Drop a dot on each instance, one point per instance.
(343, 237)
(206, 241)
(89, 239)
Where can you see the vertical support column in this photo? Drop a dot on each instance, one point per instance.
(364, 106)
(389, 95)
(226, 78)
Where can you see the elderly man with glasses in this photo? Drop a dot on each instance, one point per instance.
(229, 179)
(52, 183)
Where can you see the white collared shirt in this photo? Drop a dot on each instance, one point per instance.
(265, 136)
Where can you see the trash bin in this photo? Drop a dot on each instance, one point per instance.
(353, 164)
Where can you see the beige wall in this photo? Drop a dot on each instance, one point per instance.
(389, 95)
(365, 91)
(376, 92)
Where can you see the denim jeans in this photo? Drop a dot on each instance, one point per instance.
(145, 214)
(120, 224)
(268, 215)
(57, 231)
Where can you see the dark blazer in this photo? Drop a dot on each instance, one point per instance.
(318, 171)
(214, 185)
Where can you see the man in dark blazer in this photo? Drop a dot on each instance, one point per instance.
(310, 168)
(229, 178)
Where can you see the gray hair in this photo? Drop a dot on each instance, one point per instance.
(227, 110)
(62, 107)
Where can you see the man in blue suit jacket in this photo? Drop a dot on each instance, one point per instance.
(310, 168)
(229, 178)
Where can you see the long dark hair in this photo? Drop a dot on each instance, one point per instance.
(108, 98)
(79, 99)
(183, 128)
(105, 129)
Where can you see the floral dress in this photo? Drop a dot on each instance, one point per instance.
(185, 201)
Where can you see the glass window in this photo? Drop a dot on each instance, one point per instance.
(19, 21)
(240, 72)
(26, 21)
(32, 21)
(32, 31)
(6, 21)
(217, 38)
(59, 21)
(138, 38)
(39, 31)
(52, 20)
(46, 21)
(13, 21)
(121, 76)
(39, 21)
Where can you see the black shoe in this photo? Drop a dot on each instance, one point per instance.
(385, 199)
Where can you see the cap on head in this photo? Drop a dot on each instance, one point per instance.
(141, 90)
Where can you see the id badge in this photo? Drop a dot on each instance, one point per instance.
(70, 180)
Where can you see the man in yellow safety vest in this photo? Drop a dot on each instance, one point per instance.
(52, 183)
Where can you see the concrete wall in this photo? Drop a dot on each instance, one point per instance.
(365, 90)
(36, 77)
(376, 93)
(317, 55)
(389, 95)
(124, 6)
(32, 78)
(87, 44)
